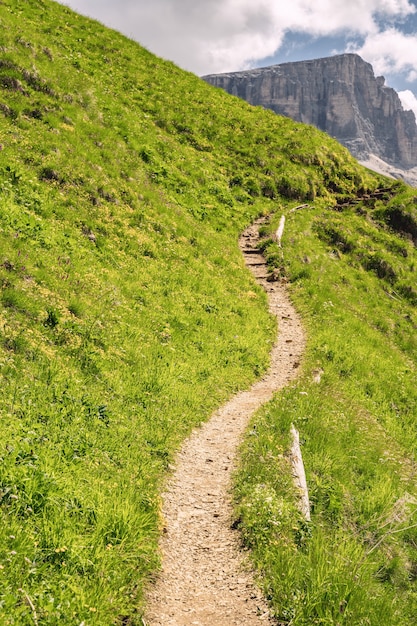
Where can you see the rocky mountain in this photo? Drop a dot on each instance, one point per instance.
(339, 95)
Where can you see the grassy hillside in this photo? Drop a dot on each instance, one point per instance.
(352, 269)
(126, 315)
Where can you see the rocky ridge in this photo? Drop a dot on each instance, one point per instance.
(339, 95)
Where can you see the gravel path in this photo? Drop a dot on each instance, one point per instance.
(205, 580)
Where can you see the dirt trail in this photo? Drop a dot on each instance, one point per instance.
(205, 580)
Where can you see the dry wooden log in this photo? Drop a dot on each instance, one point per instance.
(300, 206)
(280, 231)
(299, 473)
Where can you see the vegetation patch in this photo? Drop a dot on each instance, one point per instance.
(352, 277)
(127, 317)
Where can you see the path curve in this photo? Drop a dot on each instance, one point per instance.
(205, 579)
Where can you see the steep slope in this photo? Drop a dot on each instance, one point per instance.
(126, 313)
(204, 578)
(339, 95)
(353, 280)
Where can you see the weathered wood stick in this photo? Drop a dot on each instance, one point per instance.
(280, 230)
(299, 473)
(300, 206)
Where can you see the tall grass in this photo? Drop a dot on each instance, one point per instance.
(126, 313)
(355, 563)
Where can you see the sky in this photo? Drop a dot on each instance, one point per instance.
(214, 36)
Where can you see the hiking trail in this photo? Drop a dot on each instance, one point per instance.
(205, 578)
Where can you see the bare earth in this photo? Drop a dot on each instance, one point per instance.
(205, 579)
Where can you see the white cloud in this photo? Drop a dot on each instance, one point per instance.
(390, 52)
(207, 36)
(409, 101)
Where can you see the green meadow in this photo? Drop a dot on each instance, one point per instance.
(351, 271)
(127, 316)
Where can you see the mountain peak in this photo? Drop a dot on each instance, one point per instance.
(340, 95)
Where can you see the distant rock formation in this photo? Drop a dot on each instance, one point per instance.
(339, 95)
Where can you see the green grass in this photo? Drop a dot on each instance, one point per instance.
(127, 316)
(353, 279)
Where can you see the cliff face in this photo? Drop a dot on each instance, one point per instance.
(339, 95)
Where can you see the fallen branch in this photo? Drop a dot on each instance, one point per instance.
(280, 231)
(300, 206)
(391, 296)
(31, 605)
(299, 473)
